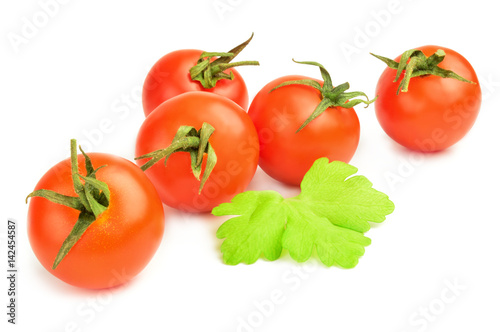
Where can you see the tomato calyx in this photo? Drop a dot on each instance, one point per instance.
(188, 139)
(209, 72)
(415, 63)
(331, 96)
(93, 199)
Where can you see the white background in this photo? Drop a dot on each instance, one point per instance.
(89, 59)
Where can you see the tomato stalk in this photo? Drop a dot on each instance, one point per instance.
(415, 63)
(331, 96)
(188, 139)
(209, 72)
(92, 201)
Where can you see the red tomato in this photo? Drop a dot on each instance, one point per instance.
(170, 77)
(436, 112)
(286, 155)
(235, 143)
(118, 244)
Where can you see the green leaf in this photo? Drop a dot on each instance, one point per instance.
(349, 202)
(257, 230)
(329, 216)
(334, 245)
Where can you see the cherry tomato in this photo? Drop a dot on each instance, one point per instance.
(286, 155)
(170, 77)
(118, 244)
(435, 112)
(234, 141)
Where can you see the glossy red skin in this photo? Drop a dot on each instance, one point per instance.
(118, 244)
(235, 143)
(170, 77)
(287, 156)
(436, 112)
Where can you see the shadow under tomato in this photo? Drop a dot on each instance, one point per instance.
(402, 150)
(57, 285)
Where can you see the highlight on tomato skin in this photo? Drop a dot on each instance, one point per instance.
(435, 113)
(234, 141)
(118, 244)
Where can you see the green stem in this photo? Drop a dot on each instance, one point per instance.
(55, 197)
(322, 106)
(85, 219)
(205, 132)
(330, 96)
(414, 63)
(92, 200)
(181, 144)
(196, 143)
(77, 185)
(209, 72)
